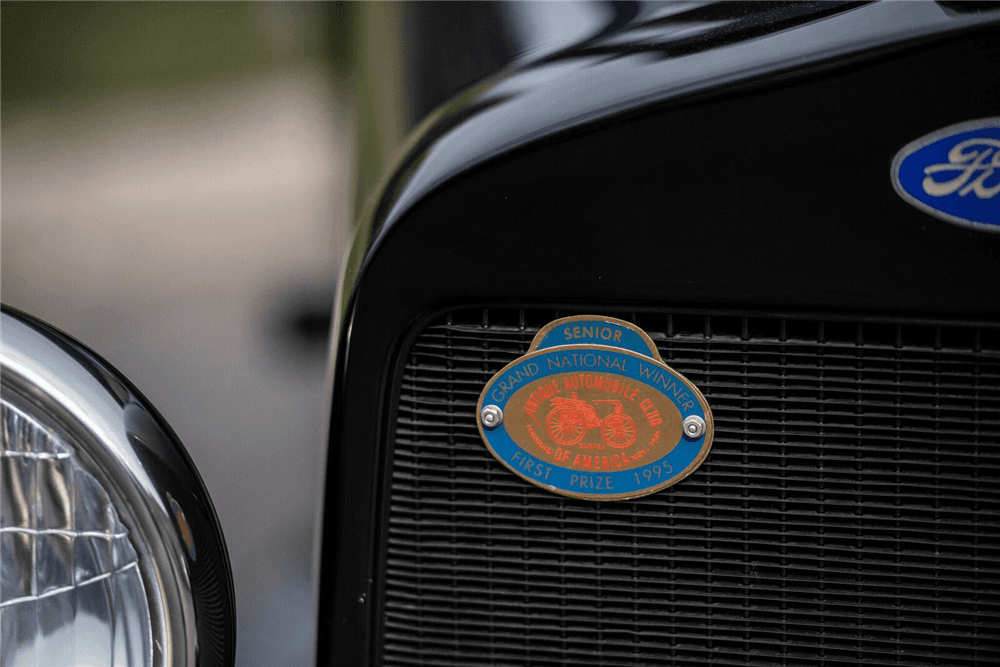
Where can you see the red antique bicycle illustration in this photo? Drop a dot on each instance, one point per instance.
(569, 420)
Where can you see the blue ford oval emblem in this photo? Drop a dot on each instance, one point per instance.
(954, 173)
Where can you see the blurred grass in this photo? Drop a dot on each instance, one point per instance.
(79, 50)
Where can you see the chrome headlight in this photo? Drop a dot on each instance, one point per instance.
(111, 551)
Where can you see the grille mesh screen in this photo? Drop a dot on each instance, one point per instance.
(848, 513)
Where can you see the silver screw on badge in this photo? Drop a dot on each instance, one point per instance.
(492, 416)
(694, 427)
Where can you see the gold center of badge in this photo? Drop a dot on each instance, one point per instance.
(593, 412)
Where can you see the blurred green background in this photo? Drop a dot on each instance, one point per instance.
(178, 182)
(80, 49)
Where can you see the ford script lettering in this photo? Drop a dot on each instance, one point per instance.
(954, 174)
(979, 158)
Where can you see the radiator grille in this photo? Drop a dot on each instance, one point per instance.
(847, 514)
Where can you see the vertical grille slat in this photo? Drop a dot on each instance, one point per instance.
(848, 513)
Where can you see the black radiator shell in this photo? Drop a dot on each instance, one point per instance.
(772, 196)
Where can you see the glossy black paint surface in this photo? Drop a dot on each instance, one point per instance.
(752, 176)
(602, 78)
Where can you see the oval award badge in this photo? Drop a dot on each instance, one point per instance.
(591, 411)
(954, 174)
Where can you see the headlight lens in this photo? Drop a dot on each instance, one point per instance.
(71, 588)
(111, 550)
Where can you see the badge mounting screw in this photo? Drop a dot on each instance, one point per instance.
(694, 427)
(492, 416)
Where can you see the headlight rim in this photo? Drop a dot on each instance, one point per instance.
(147, 472)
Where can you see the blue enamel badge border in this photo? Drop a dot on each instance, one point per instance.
(617, 483)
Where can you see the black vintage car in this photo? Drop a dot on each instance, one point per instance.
(791, 210)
